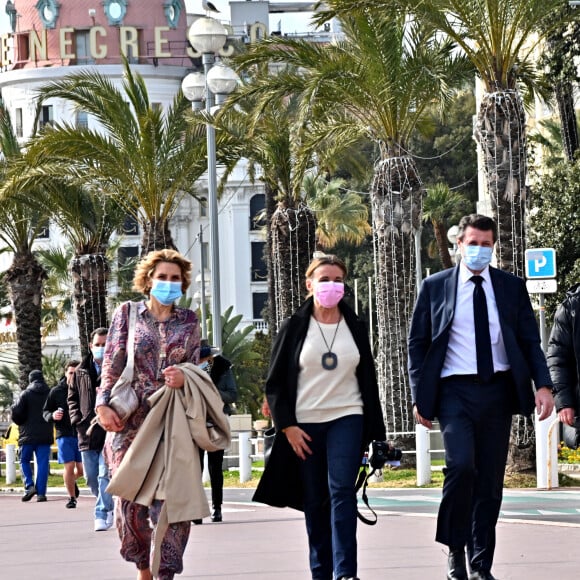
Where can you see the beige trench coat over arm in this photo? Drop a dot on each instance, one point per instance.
(163, 460)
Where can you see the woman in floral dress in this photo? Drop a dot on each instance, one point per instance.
(165, 335)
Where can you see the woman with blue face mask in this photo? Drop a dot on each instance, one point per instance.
(165, 336)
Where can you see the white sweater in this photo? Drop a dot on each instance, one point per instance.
(325, 395)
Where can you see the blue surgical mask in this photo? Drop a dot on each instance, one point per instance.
(476, 258)
(166, 292)
(204, 365)
(98, 352)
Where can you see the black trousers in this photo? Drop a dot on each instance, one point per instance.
(215, 461)
(475, 421)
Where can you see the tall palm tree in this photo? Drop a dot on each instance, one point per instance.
(375, 83)
(269, 137)
(340, 215)
(439, 205)
(145, 157)
(19, 227)
(499, 37)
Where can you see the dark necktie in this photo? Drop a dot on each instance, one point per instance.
(482, 337)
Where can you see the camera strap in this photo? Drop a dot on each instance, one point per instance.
(362, 482)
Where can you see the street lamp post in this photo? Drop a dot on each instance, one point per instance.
(208, 37)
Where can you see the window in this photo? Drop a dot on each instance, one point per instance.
(18, 122)
(82, 47)
(257, 211)
(259, 304)
(203, 207)
(259, 270)
(130, 226)
(43, 232)
(82, 120)
(127, 258)
(46, 116)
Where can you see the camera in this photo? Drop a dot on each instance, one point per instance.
(383, 451)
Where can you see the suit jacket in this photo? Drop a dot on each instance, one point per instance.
(429, 337)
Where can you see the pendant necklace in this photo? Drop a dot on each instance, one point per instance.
(329, 359)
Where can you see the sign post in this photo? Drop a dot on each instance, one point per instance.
(541, 274)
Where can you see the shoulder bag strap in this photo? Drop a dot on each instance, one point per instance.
(131, 337)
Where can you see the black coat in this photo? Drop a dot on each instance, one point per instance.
(564, 352)
(281, 483)
(223, 378)
(57, 398)
(27, 414)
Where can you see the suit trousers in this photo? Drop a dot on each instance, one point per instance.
(475, 421)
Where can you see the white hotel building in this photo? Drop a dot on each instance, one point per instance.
(48, 39)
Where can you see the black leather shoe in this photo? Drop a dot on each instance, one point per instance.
(456, 569)
(197, 522)
(30, 493)
(41, 498)
(217, 515)
(481, 575)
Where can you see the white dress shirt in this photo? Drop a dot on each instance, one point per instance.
(461, 358)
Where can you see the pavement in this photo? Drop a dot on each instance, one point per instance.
(537, 539)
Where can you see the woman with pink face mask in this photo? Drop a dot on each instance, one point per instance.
(323, 397)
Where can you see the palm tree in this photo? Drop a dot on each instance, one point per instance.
(268, 136)
(144, 157)
(340, 215)
(19, 227)
(439, 205)
(376, 83)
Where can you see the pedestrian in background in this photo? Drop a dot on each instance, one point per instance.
(220, 371)
(56, 412)
(82, 395)
(35, 436)
(323, 397)
(474, 347)
(564, 361)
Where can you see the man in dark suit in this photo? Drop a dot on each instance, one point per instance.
(471, 357)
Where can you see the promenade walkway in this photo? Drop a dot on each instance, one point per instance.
(45, 540)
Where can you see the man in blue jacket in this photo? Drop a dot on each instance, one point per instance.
(35, 435)
(474, 345)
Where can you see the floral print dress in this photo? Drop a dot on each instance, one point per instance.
(157, 346)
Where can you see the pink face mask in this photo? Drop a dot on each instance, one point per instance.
(329, 294)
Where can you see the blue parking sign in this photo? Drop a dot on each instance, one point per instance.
(540, 263)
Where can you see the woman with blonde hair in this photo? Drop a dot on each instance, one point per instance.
(165, 336)
(323, 396)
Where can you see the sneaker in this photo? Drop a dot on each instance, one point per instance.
(71, 503)
(101, 525)
(41, 498)
(110, 518)
(77, 491)
(30, 493)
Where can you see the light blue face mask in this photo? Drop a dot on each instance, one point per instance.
(476, 258)
(98, 352)
(166, 292)
(204, 365)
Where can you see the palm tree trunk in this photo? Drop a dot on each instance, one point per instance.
(293, 243)
(441, 239)
(271, 308)
(565, 98)
(25, 279)
(396, 195)
(156, 236)
(90, 274)
(501, 133)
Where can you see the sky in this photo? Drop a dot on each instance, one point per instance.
(290, 22)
